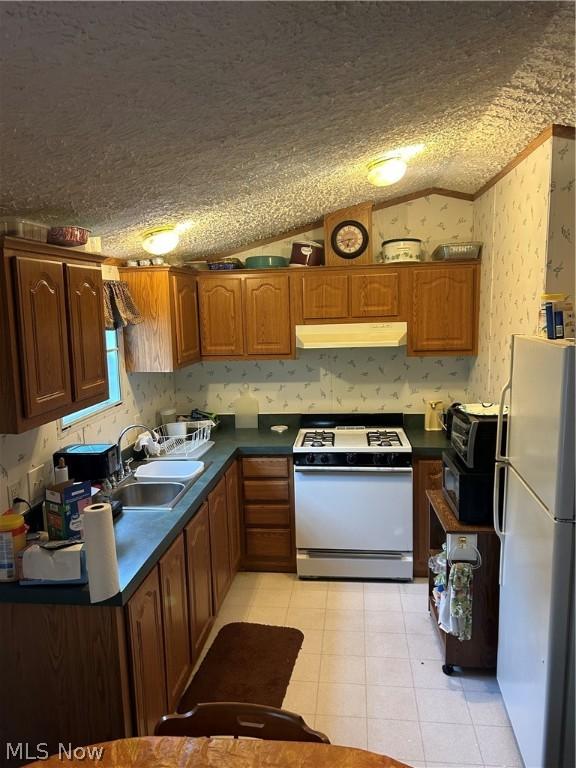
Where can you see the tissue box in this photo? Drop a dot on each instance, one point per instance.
(63, 507)
(62, 566)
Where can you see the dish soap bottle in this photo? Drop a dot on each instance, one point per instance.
(246, 410)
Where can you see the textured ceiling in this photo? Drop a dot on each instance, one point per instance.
(251, 118)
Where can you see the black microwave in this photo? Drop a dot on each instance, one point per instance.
(469, 494)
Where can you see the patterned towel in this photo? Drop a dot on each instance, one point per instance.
(460, 582)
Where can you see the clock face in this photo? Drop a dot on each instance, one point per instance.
(349, 239)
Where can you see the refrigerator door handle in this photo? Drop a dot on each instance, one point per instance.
(499, 455)
(499, 468)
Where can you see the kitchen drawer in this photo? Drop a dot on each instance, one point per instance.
(267, 514)
(266, 544)
(266, 490)
(265, 467)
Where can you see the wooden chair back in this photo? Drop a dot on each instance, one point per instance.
(238, 719)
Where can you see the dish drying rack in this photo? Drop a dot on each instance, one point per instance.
(190, 446)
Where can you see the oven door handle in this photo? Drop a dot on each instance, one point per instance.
(386, 470)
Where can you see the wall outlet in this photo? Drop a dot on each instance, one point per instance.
(16, 489)
(36, 484)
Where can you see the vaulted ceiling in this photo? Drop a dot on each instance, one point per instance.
(246, 119)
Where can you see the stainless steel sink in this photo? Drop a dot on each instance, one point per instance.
(160, 495)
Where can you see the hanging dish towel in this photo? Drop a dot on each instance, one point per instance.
(455, 610)
(461, 599)
(119, 307)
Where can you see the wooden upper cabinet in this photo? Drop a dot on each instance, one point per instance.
(376, 295)
(167, 339)
(324, 297)
(87, 344)
(43, 335)
(185, 320)
(52, 342)
(197, 534)
(444, 316)
(221, 325)
(147, 653)
(267, 311)
(219, 544)
(173, 587)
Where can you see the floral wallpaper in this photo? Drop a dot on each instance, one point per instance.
(434, 219)
(511, 219)
(561, 243)
(330, 380)
(143, 396)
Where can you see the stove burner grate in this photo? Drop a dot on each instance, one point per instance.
(383, 438)
(318, 439)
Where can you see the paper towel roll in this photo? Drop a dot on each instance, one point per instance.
(100, 546)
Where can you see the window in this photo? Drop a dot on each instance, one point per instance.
(115, 393)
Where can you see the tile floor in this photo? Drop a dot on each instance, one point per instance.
(369, 673)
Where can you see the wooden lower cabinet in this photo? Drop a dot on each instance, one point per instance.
(219, 544)
(147, 654)
(197, 534)
(233, 508)
(427, 477)
(178, 657)
(268, 514)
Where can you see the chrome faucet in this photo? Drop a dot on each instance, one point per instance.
(122, 470)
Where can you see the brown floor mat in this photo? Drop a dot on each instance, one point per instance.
(251, 663)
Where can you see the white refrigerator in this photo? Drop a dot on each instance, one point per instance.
(536, 526)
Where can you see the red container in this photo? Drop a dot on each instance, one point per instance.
(306, 253)
(68, 236)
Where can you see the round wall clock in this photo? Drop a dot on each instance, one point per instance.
(349, 239)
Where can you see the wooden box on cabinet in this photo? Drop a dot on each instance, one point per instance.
(268, 514)
(427, 475)
(244, 317)
(168, 338)
(52, 343)
(444, 316)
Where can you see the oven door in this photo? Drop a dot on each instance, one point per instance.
(349, 508)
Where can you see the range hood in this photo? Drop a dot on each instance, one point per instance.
(339, 335)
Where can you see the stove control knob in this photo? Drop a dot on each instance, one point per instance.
(324, 459)
(380, 459)
(351, 458)
(310, 458)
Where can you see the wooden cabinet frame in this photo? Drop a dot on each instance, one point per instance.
(50, 311)
(252, 311)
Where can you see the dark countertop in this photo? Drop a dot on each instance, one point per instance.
(142, 537)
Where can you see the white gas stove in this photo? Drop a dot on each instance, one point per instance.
(353, 497)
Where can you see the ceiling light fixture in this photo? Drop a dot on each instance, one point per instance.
(390, 167)
(386, 171)
(160, 241)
